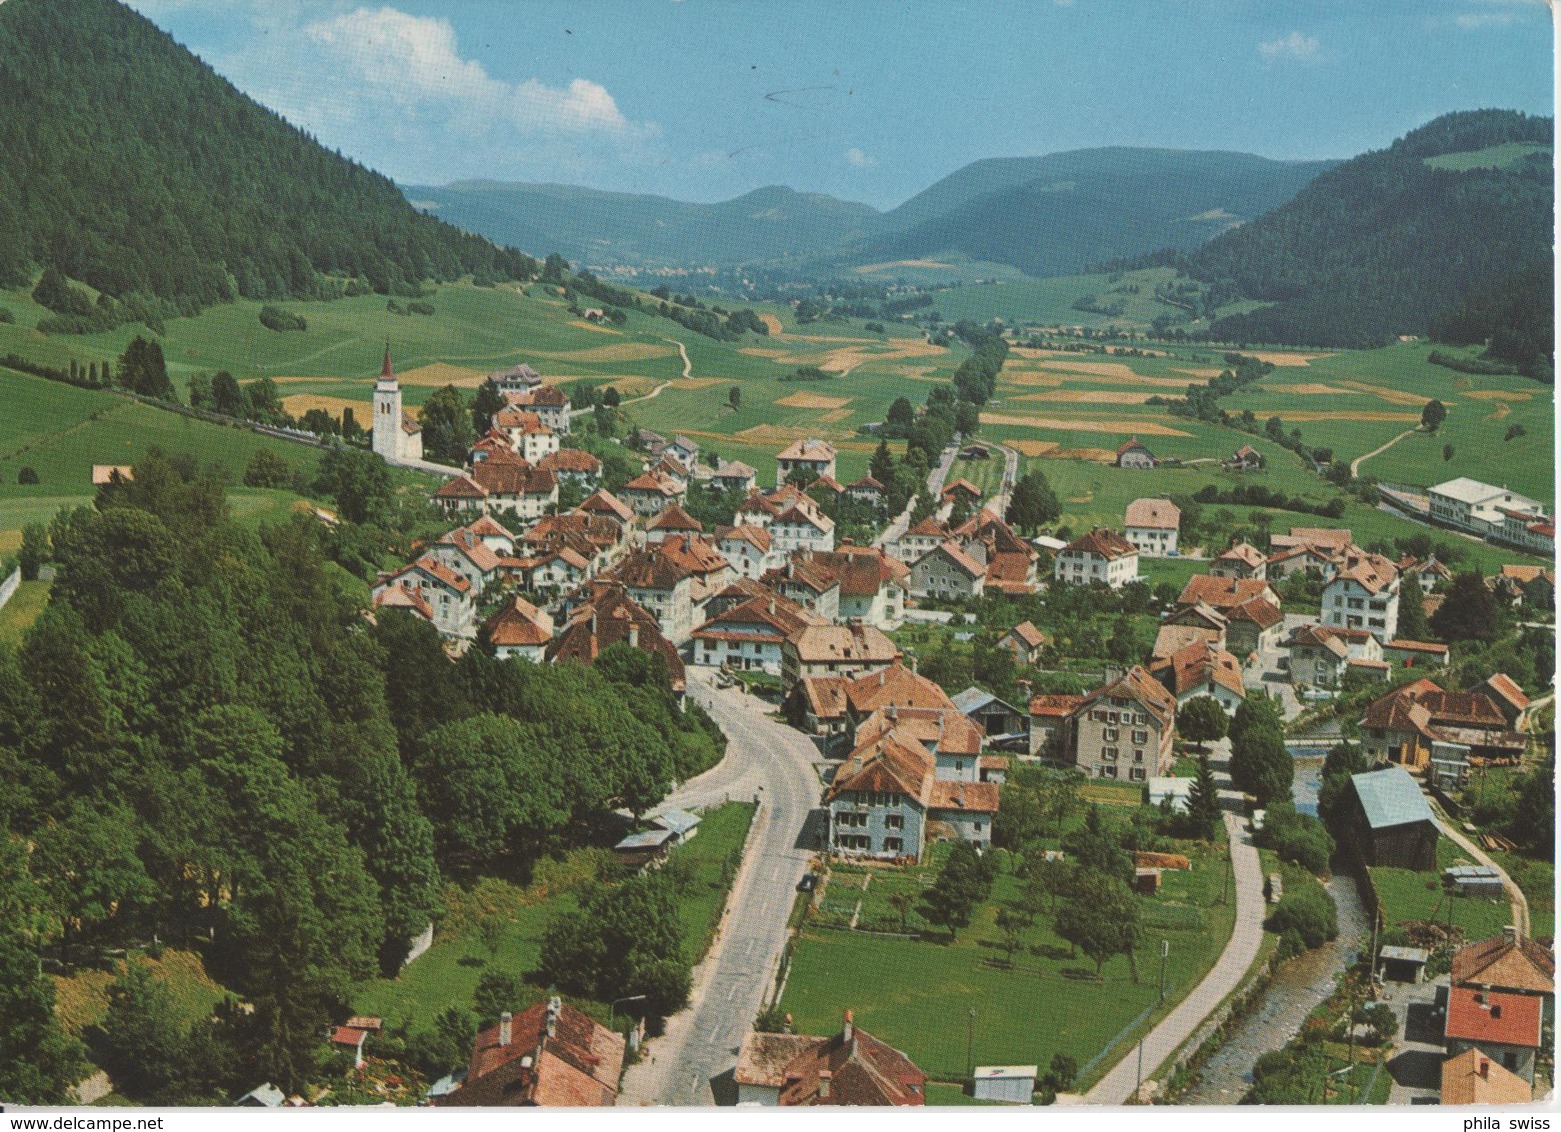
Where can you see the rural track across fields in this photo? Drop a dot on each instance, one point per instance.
(1359, 460)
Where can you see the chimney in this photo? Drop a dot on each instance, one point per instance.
(881, 672)
(786, 1025)
(772, 607)
(1485, 1068)
(1495, 1012)
(850, 1029)
(1509, 935)
(824, 1077)
(505, 1021)
(634, 634)
(555, 1006)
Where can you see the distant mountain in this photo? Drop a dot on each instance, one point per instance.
(1050, 215)
(1388, 241)
(127, 163)
(1065, 212)
(589, 226)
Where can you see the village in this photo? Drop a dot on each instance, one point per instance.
(801, 626)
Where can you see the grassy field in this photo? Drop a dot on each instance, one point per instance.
(82, 999)
(1409, 895)
(446, 975)
(22, 610)
(1047, 1002)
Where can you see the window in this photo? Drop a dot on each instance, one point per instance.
(894, 821)
(1140, 736)
(1108, 753)
(1138, 755)
(892, 845)
(979, 826)
(1136, 774)
(1108, 772)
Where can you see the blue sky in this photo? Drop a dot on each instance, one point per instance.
(864, 99)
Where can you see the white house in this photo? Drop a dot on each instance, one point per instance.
(1152, 526)
(748, 550)
(1102, 556)
(802, 528)
(814, 458)
(548, 402)
(450, 598)
(1364, 595)
(1478, 507)
(529, 438)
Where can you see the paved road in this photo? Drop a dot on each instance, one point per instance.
(731, 985)
(1119, 1085)
(1004, 496)
(935, 479)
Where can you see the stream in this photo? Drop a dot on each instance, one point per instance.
(1296, 988)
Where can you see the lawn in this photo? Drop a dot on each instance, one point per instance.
(1409, 895)
(82, 999)
(22, 610)
(917, 994)
(446, 975)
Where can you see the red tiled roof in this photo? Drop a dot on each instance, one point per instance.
(460, 487)
(1136, 684)
(859, 1070)
(1102, 542)
(1153, 514)
(1028, 635)
(843, 644)
(1197, 665)
(1245, 553)
(577, 1064)
(974, 797)
(1474, 1077)
(956, 554)
(608, 504)
(885, 765)
(1403, 645)
(962, 485)
(1130, 446)
(929, 528)
(810, 449)
(498, 475)
(1494, 1016)
(674, 518)
(1055, 706)
(1221, 593)
(570, 460)
(1514, 963)
(518, 624)
(1256, 610)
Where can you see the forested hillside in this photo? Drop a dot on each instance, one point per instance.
(1386, 242)
(128, 164)
(203, 740)
(589, 226)
(1066, 212)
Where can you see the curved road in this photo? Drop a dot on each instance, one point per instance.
(1359, 460)
(769, 759)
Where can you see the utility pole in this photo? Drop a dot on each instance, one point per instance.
(970, 1044)
(1139, 1090)
(1165, 951)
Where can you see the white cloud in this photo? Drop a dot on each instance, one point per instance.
(1472, 20)
(859, 159)
(1292, 46)
(416, 60)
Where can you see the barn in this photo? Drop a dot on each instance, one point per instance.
(1390, 822)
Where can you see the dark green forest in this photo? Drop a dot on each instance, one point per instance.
(128, 164)
(205, 742)
(1384, 243)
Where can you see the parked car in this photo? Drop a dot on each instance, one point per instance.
(808, 882)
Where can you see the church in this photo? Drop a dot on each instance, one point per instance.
(397, 435)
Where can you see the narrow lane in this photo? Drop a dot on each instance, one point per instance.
(690, 1062)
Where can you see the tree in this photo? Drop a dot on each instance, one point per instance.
(901, 414)
(1469, 612)
(1099, 916)
(1295, 837)
(358, 481)
(1033, 503)
(1202, 720)
(228, 396)
(1448, 451)
(148, 1050)
(1203, 803)
(497, 991)
(1432, 415)
(1012, 923)
(734, 397)
(34, 551)
(89, 866)
(605, 419)
(963, 882)
(1308, 911)
(446, 421)
(143, 370)
(1097, 847)
(882, 466)
(487, 401)
(267, 469)
(902, 901)
(1413, 624)
(26, 475)
(1261, 766)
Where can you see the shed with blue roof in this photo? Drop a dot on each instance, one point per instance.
(1391, 823)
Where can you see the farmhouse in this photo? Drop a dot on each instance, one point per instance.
(1134, 455)
(734, 475)
(919, 539)
(1245, 458)
(1388, 821)
(574, 465)
(1152, 525)
(1402, 725)
(961, 491)
(1253, 626)
(449, 597)
(516, 379)
(835, 650)
(549, 1056)
(811, 458)
(1009, 560)
(606, 504)
(1101, 556)
(1197, 621)
(851, 1068)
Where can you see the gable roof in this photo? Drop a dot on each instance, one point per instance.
(1474, 1077)
(851, 644)
(940, 730)
(1153, 514)
(974, 797)
(885, 764)
(1493, 1016)
(1222, 593)
(461, 487)
(1104, 542)
(929, 528)
(1257, 610)
(519, 624)
(608, 504)
(893, 685)
(398, 596)
(1507, 961)
(863, 570)
(960, 485)
(1197, 665)
(808, 449)
(506, 474)
(861, 1070)
(1390, 797)
(1027, 635)
(1132, 445)
(1505, 688)
(757, 537)
(1136, 684)
(1054, 705)
(956, 554)
(1243, 552)
(1320, 636)
(570, 460)
(547, 396)
(674, 518)
(607, 617)
(577, 1063)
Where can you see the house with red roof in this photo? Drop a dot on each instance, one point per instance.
(649, 493)
(573, 465)
(606, 617)
(1472, 1077)
(1124, 729)
(1402, 725)
(947, 571)
(734, 475)
(1505, 1027)
(671, 520)
(1024, 641)
(961, 491)
(1240, 560)
(802, 527)
(850, 1068)
(450, 598)
(501, 484)
(749, 549)
(1100, 555)
(811, 457)
(919, 539)
(1051, 716)
(549, 402)
(750, 635)
(868, 490)
(1510, 962)
(1254, 625)
(529, 438)
(1153, 525)
(550, 1056)
(519, 629)
(1133, 454)
(1364, 594)
(1200, 669)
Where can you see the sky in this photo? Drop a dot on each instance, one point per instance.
(867, 100)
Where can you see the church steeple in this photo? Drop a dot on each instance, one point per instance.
(386, 373)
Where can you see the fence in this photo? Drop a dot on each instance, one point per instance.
(9, 586)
